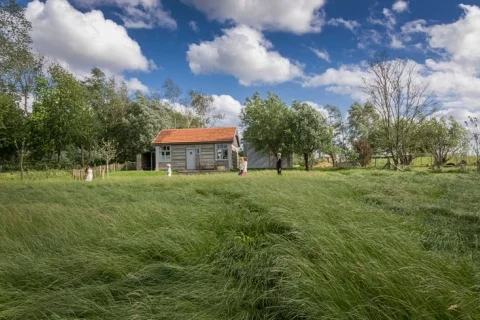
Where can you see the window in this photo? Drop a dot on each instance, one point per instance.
(222, 152)
(165, 154)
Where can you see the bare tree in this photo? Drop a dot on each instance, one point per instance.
(202, 108)
(172, 93)
(107, 150)
(402, 101)
(474, 132)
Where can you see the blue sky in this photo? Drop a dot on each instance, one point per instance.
(308, 50)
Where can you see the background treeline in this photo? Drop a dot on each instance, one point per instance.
(47, 115)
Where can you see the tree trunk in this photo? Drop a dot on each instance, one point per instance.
(306, 159)
(22, 154)
(83, 156)
(58, 156)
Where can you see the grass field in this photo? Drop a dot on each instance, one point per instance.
(348, 244)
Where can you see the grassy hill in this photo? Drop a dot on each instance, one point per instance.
(326, 245)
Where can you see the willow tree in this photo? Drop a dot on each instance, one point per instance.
(309, 132)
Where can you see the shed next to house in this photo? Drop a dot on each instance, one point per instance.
(197, 148)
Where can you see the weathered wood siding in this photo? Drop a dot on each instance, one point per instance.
(207, 153)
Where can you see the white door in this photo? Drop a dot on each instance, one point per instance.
(191, 163)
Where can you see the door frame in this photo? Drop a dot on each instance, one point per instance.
(194, 158)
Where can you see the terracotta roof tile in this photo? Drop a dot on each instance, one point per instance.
(195, 135)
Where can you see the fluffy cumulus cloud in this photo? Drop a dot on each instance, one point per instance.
(346, 80)
(319, 107)
(229, 107)
(300, 16)
(134, 85)
(400, 6)
(460, 39)
(137, 14)
(82, 40)
(244, 53)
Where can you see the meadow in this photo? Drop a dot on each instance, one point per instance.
(338, 244)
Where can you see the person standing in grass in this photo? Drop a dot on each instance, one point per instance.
(169, 170)
(242, 166)
(245, 166)
(89, 174)
(279, 163)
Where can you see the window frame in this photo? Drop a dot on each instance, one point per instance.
(163, 153)
(224, 148)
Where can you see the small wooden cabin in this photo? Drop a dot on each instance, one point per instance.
(197, 149)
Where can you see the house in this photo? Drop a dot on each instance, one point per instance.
(264, 160)
(197, 148)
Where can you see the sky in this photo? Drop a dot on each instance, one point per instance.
(306, 50)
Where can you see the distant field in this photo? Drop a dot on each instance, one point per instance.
(424, 161)
(347, 244)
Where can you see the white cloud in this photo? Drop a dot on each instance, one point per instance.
(322, 54)
(244, 53)
(347, 75)
(229, 107)
(349, 24)
(396, 43)
(400, 6)
(134, 85)
(81, 41)
(300, 16)
(416, 26)
(137, 14)
(461, 39)
(388, 21)
(194, 26)
(319, 107)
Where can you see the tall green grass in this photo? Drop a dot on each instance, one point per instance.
(325, 245)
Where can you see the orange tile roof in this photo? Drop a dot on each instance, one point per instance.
(196, 135)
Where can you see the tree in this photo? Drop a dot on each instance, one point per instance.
(339, 141)
(59, 111)
(266, 123)
(15, 44)
(13, 130)
(172, 95)
(474, 133)
(363, 131)
(145, 117)
(443, 139)
(203, 109)
(309, 132)
(402, 102)
(107, 150)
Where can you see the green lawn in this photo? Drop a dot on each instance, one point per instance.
(348, 244)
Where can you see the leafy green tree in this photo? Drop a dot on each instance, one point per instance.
(336, 123)
(15, 44)
(443, 139)
(363, 122)
(13, 130)
(309, 132)
(59, 111)
(266, 123)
